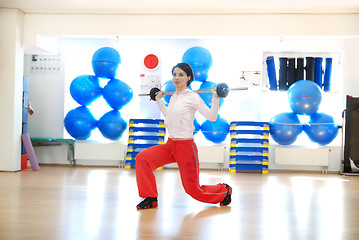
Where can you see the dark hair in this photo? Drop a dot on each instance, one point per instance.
(187, 69)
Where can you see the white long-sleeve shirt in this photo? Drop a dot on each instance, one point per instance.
(180, 112)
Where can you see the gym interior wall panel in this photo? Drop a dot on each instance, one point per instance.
(11, 86)
(205, 25)
(46, 94)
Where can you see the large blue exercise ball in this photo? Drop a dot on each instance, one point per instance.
(216, 131)
(112, 125)
(79, 123)
(304, 97)
(117, 93)
(321, 128)
(200, 59)
(207, 97)
(85, 89)
(168, 87)
(285, 128)
(105, 62)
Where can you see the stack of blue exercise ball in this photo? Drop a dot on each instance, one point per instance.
(304, 98)
(200, 60)
(85, 89)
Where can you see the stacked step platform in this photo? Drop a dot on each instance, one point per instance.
(142, 134)
(249, 147)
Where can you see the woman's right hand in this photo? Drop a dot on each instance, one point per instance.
(160, 95)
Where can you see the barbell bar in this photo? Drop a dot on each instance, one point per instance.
(222, 90)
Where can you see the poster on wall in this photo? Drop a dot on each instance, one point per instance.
(46, 75)
(45, 64)
(150, 77)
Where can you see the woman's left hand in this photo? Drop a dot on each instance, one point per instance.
(214, 92)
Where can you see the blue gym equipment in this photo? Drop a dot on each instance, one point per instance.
(105, 62)
(327, 74)
(200, 60)
(79, 123)
(271, 74)
(112, 125)
(117, 93)
(285, 128)
(216, 131)
(321, 128)
(207, 96)
(304, 97)
(85, 89)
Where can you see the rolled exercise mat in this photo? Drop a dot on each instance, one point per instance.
(309, 68)
(271, 73)
(299, 72)
(291, 71)
(327, 74)
(318, 71)
(30, 151)
(283, 78)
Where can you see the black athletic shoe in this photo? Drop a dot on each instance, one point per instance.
(227, 200)
(150, 202)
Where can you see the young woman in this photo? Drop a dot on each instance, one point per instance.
(180, 147)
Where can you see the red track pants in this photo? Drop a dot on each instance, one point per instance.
(185, 153)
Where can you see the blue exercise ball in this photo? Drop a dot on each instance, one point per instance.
(285, 128)
(168, 87)
(321, 128)
(112, 125)
(200, 59)
(105, 62)
(79, 123)
(207, 97)
(117, 93)
(304, 97)
(216, 131)
(85, 89)
(197, 127)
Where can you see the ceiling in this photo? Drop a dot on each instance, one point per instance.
(183, 6)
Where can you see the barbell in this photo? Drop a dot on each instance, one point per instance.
(222, 90)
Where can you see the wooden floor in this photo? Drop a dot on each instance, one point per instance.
(59, 202)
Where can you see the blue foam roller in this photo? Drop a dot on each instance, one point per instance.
(271, 74)
(327, 74)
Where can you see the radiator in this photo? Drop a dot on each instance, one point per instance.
(211, 154)
(302, 156)
(93, 150)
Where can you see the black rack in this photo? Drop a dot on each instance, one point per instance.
(350, 161)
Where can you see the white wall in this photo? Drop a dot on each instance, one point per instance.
(343, 26)
(11, 83)
(350, 68)
(191, 25)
